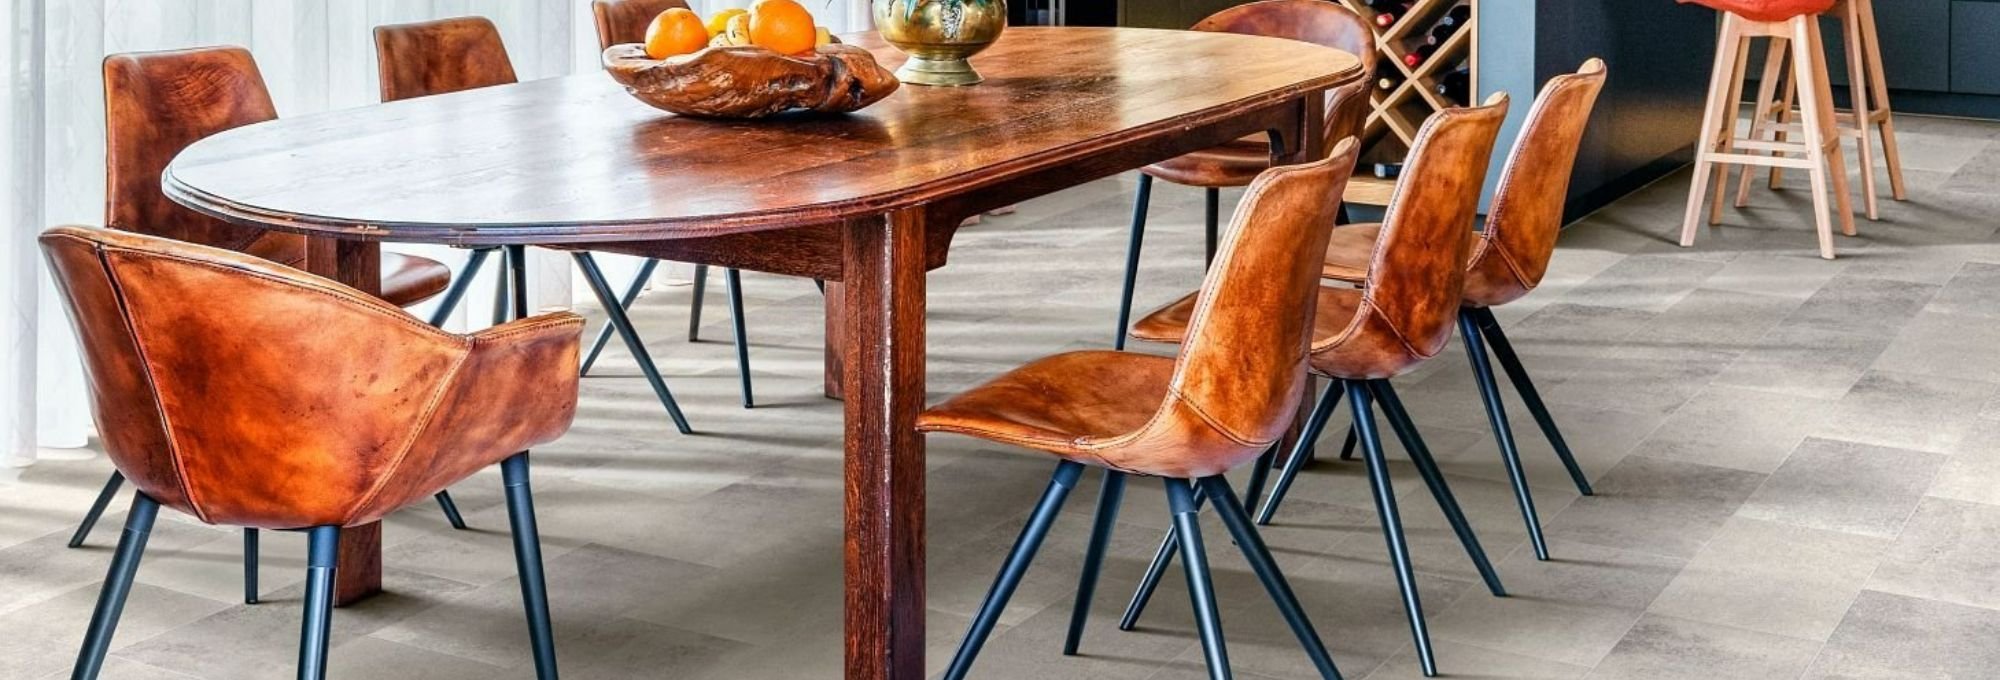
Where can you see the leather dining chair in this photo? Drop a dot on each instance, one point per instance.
(1236, 163)
(155, 105)
(1509, 256)
(451, 55)
(1398, 318)
(230, 388)
(1230, 395)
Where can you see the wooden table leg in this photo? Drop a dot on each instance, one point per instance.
(358, 573)
(883, 380)
(836, 306)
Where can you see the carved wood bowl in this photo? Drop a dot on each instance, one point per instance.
(752, 82)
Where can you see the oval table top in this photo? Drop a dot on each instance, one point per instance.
(576, 159)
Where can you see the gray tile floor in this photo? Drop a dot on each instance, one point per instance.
(1798, 466)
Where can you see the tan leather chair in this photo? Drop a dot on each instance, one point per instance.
(1398, 318)
(1236, 163)
(453, 55)
(1509, 257)
(1229, 396)
(155, 105)
(625, 21)
(259, 411)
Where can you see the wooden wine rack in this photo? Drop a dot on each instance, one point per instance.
(1394, 117)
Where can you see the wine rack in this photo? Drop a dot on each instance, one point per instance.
(1429, 60)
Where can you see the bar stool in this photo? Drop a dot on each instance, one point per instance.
(1509, 257)
(155, 105)
(1400, 317)
(452, 55)
(1868, 93)
(1227, 398)
(1796, 22)
(1235, 164)
(299, 404)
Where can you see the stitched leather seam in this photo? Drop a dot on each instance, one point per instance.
(422, 424)
(159, 408)
(363, 303)
(1205, 417)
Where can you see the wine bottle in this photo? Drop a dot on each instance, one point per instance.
(1388, 83)
(1457, 17)
(1456, 87)
(1388, 170)
(1388, 11)
(1441, 32)
(1419, 55)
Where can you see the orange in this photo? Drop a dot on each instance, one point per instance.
(782, 26)
(675, 31)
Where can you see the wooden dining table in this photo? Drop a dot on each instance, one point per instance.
(867, 201)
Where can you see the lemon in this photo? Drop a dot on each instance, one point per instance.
(822, 37)
(738, 30)
(719, 22)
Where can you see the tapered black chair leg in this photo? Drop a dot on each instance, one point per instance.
(1157, 569)
(250, 554)
(625, 301)
(97, 508)
(1511, 363)
(1293, 463)
(1139, 205)
(1201, 592)
(1427, 468)
(734, 280)
(1237, 519)
(501, 313)
(456, 292)
(694, 304)
(322, 551)
(1503, 432)
(1347, 446)
(1260, 474)
(517, 266)
(1392, 521)
(1212, 219)
(1016, 565)
(1108, 500)
(528, 563)
(117, 585)
(618, 320)
(450, 509)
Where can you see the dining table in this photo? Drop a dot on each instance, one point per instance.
(867, 202)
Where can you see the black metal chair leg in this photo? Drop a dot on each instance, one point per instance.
(1314, 425)
(625, 301)
(1427, 468)
(734, 280)
(501, 313)
(1016, 565)
(1237, 519)
(1201, 592)
(517, 259)
(694, 304)
(1503, 432)
(1392, 522)
(457, 290)
(1139, 205)
(1155, 570)
(1347, 447)
(528, 563)
(1260, 474)
(1511, 363)
(1212, 220)
(450, 509)
(117, 585)
(97, 508)
(618, 320)
(1108, 500)
(250, 552)
(322, 551)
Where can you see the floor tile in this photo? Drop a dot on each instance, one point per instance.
(1666, 648)
(1844, 486)
(1774, 578)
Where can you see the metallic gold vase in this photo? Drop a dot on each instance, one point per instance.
(939, 35)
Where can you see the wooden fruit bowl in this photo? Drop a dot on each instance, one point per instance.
(752, 82)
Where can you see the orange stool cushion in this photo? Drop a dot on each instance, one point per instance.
(1765, 10)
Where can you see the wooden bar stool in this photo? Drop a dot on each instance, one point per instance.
(1229, 397)
(248, 393)
(1797, 23)
(1868, 95)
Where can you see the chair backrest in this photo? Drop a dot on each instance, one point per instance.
(155, 105)
(1416, 275)
(625, 21)
(1319, 22)
(436, 57)
(1241, 371)
(1526, 216)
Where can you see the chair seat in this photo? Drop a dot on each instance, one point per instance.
(1765, 10)
(1061, 403)
(1350, 250)
(1229, 165)
(1169, 324)
(409, 279)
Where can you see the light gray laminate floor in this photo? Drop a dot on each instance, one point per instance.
(1798, 467)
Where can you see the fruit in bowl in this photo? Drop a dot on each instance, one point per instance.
(751, 63)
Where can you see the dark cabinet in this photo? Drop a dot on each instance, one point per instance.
(1975, 47)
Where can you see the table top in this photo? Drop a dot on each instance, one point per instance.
(576, 159)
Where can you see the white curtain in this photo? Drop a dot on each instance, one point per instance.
(316, 55)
